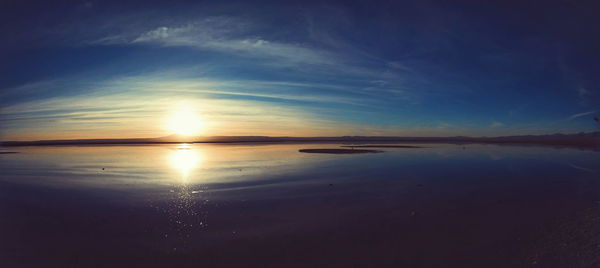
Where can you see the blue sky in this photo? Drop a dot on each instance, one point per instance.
(73, 69)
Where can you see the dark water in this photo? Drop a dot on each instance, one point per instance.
(271, 206)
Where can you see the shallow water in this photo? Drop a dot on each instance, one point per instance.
(272, 206)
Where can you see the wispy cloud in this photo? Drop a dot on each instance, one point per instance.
(582, 114)
(223, 34)
(135, 105)
(497, 124)
(310, 59)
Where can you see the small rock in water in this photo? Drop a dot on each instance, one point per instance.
(331, 184)
(102, 168)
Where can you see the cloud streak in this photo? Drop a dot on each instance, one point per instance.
(300, 60)
(582, 114)
(223, 34)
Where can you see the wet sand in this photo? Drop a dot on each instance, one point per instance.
(569, 242)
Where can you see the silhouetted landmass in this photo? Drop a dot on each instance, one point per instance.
(9, 152)
(382, 146)
(337, 151)
(591, 139)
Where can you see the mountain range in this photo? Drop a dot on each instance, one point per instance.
(579, 139)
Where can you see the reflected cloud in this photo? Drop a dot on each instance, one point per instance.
(582, 168)
(184, 159)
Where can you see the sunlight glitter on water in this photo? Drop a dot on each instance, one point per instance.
(184, 159)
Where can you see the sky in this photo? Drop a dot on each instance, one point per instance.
(118, 69)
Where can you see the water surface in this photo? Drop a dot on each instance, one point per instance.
(272, 206)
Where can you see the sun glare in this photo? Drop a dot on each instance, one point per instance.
(184, 122)
(184, 159)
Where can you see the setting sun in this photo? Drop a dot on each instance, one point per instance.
(184, 122)
(327, 133)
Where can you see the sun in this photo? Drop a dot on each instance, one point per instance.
(184, 122)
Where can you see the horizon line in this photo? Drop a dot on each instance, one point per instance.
(581, 138)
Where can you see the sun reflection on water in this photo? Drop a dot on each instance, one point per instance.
(184, 159)
(185, 209)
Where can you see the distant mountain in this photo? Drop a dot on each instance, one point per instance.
(583, 139)
(579, 139)
(175, 138)
(166, 139)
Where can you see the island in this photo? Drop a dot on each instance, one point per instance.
(338, 151)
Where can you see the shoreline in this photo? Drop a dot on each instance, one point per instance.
(587, 143)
